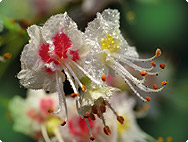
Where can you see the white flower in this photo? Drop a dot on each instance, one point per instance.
(129, 131)
(29, 114)
(110, 52)
(57, 46)
(94, 102)
(76, 129)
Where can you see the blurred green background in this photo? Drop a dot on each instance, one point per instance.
(146, 24)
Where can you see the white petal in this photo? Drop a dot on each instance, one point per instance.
(38, 80)
(62, 23)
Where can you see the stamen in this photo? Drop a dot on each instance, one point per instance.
(90, 132)
(120, 119)
(74, 75)
(77, 107)
(70, 80)
(94, 109)
(164, 83)
(104, 103)
(148, 98)
(74, 95)
(63, 123)
(143, 73)
(92, 116)
(102, 108)
(112, 109)
(61, 95)
(103, 78)
(155, 86)
(162, 66)
(107, 130)
(99, 116)
(58, 135)
(123, 72)
(51, 110)
(158, 52)
(44, 133)
(92, 138)
(86, 73)
(132, 88)
(119, 56)
(86, 115)
(153, 64)
(83, 88)
(149, 90)
(134, 66)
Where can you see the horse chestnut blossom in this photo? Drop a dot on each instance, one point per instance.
(94, 102)
(31, 114)
(110, 52)
(56, 47)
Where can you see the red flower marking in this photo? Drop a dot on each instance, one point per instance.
(43, 52)
(75, 55)
(45, 105)
(49, 71)
(34, 115)
(78, 127)
(62, 43)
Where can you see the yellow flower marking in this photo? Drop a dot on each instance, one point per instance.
(126, 125)
(52, 124)
(110, 43)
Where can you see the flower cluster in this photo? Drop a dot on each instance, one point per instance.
(59, 51)
(31, 118)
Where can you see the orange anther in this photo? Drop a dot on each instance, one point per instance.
(120, 119)
(148, 98)
(103, 77)
(7, 56)
(164, 83)
(155, 86)
(103, 109)
(83, 88)
(92, 138)
(158, 52)
(51, 110)
(63, 123)
(92, 116)
(162, 66)
(153, 64)
(86, 115)
(99, 115)
(74, 95)
(104, 103)
(143, 73)
(107, 130)
(94, 109)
